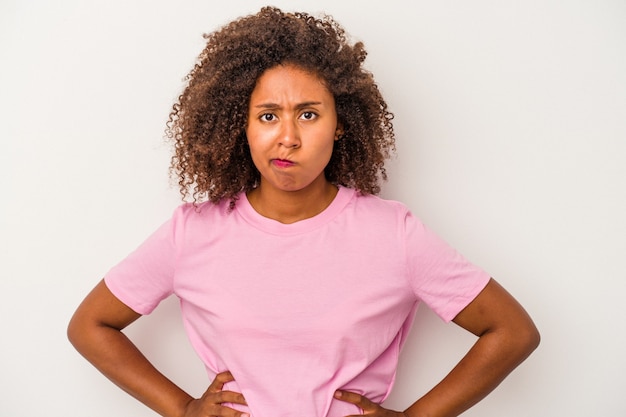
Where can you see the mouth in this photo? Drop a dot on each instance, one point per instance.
(282, 163)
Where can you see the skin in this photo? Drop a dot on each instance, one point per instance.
(506, 336)
(291, 131)
(292, 127)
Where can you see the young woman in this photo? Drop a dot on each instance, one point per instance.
(297, 284)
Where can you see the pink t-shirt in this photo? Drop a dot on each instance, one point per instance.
(296, 311)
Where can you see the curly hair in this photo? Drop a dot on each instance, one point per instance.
(207, 124)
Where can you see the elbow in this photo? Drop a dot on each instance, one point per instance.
(534, 339)
(79, 331)
(528, 339)
(73, 331)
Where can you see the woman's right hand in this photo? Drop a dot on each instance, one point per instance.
(210, 404)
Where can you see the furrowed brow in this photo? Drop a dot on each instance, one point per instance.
(299, 106)
(308, 104)
(267, 106)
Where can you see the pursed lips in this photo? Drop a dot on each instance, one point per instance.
(282, 163)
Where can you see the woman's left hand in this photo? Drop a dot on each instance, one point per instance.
(369, 408)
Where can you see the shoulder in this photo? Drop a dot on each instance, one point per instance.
(194, 211)
(190, 217)
(375, 213)
(376, 206)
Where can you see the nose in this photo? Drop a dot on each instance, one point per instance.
(290, 134)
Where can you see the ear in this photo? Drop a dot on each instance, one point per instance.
(339, 132)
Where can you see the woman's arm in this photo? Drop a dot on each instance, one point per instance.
(506, 336)
(95, 330)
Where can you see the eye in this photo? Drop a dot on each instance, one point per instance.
(308, 115)
(267, 117)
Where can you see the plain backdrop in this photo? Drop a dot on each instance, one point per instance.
(511, 137)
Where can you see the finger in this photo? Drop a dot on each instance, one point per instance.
(213, 405)
(220, 379)
(226, 397)
(223, 411)
(218, 404)
(352, 397)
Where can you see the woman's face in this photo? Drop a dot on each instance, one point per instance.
(292, 127)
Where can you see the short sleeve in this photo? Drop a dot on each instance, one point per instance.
(145, 277)
(440, 276)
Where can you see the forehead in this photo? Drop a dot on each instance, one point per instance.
(289, 80)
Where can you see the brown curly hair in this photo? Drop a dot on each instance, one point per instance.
(207, 124)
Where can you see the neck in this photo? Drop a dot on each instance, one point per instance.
(291, 206)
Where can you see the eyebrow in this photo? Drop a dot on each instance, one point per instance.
(299, 106)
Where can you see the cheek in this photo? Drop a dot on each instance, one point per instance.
(330, 144)
(253, 140)
(324, 153)
(257, 146)
(258, 138)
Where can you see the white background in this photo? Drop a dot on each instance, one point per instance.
(511, 136)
